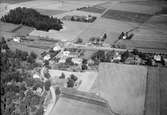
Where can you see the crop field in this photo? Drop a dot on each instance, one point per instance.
(112, 28)
(123, 86)
(163, 91)
(23, 31)
(146, 2)
(13, 46)
(153, 30)
(151, 35)
(152, 103)
(143, 9)
(39, 44)
(93, 9)
(126, 16)
(87, 78)
(7, 27)
(16, 29)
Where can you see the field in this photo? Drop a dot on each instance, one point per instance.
(70, 31)
(76, 12)
(7, 27)
(151, 35)
(146, 2)
(57, 5)
(14, 1)
(126, 16)
(87, 78)
(123, 86)
(93, 9)
(23, 31)
(152, 103)
(163, 91)
(13, 46)
(112, 28)
(19, 30)
(127, 7)
(153, 30)
(49, 12)
(67, 106)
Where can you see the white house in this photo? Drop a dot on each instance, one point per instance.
(57, 48)
(66, 53)
(117, 57)
(157, 57)
(47, 57)
(77, 61)
(36, 76)
(62, 60)
(17, 39)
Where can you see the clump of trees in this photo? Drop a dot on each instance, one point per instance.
(32, 18)
(71, 81)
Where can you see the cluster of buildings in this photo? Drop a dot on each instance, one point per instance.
(88, 19)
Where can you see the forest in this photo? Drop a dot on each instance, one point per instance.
(32, 18)
(19, 94)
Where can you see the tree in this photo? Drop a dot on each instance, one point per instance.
(84, 61)
(73, 77)
(79, 40)
(100, 56)
(135, 52)
(84, 67)
(40, 111)
(35, 100)
(124, 56)
(30, 59)
(62, 76)
(47, 85)
(92, 39)
(32, 54)
(69, 61)
(70, 83)
(109, 56)
(29, 82)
